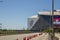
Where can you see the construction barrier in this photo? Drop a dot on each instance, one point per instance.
(32, 36)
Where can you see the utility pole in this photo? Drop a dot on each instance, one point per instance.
(52, 33)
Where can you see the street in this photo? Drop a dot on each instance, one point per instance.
(30, 36)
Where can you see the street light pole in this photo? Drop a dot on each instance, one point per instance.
(51, 33)
(52, 20)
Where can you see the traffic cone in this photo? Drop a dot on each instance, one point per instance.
(24, 38)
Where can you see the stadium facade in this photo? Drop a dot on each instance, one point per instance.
(43, 21)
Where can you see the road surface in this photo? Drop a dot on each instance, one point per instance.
(38, 36)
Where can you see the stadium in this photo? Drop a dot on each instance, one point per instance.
(43, 20)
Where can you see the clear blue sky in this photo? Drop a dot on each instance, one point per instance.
(14, 13)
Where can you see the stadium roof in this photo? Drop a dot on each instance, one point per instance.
(49, 13)
(35, 16)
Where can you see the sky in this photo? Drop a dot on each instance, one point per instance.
(14, 13)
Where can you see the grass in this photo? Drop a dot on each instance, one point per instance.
(10, 32)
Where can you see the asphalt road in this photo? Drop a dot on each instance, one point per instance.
(38, 36)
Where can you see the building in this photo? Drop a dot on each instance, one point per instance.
(43, 20)
(31, 21)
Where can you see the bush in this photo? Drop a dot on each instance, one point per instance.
(46, 30)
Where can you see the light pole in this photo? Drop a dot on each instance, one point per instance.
(51, 33)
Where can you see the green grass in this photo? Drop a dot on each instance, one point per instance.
(10, 32)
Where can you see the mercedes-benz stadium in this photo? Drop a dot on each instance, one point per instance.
(43, 20)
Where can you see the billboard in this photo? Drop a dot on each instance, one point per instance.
(56, 22)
